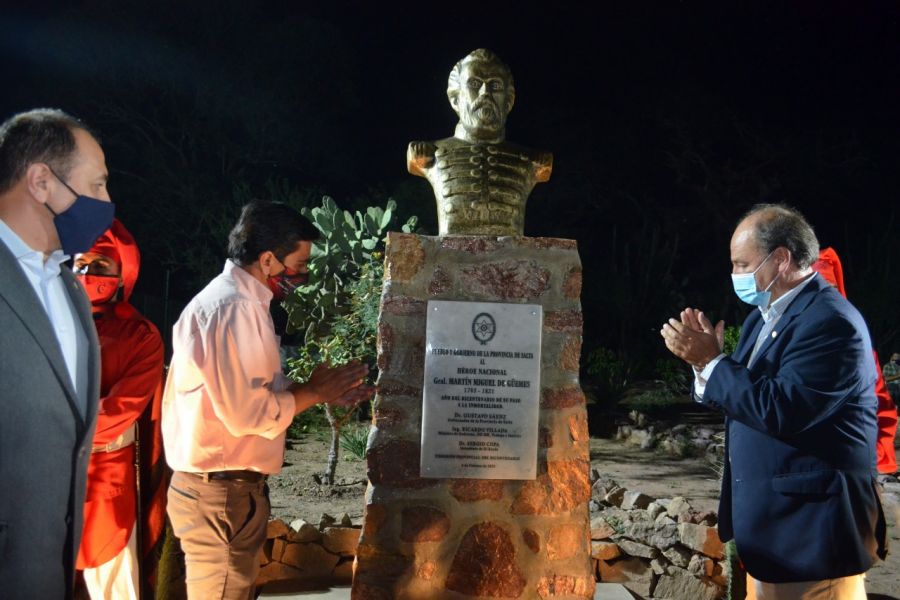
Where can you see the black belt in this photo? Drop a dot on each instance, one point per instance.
(249, 476)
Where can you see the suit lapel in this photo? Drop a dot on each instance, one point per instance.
(18, 293)
(748, 337)
(85, 318)
(794, 309)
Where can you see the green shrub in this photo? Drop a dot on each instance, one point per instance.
(732, 334)
(308, 422)
(671, 386)
(354, 440)
(674, 375)
(609, 372)
(337, 309)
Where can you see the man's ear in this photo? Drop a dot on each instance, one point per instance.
(454, 101)
(783, 255)
(266, 260)
(38, 181)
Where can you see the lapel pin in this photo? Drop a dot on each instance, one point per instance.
(774, 334)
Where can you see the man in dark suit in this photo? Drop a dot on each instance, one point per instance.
(798, 492)
(53, 203)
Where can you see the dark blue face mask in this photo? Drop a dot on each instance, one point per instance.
(79, 226)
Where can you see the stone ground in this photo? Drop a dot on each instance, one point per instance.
(294, 493)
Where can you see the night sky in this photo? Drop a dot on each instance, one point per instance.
(667, 121)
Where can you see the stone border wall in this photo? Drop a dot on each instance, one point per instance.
(657, 548)
(304, 553)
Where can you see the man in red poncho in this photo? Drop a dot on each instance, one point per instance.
(116, 548)
(829, 266)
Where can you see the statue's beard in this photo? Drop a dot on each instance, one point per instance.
(483, 114)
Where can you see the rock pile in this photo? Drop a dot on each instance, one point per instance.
(655, 547)
(303, 552)
(679, 440)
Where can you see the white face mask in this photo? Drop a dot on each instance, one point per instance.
(745, 286)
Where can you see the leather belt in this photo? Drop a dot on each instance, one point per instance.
(126, 439)
(235, 475)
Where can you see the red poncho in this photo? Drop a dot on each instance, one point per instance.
(131, 391)
(829, 266)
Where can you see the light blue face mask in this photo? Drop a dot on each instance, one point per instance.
(745, 286)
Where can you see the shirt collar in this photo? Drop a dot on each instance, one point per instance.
(25, 253)
(247, 283)
(777, 308)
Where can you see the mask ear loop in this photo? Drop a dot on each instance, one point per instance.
(280, 262)
(68, 187)
(768, 256)
(776, 276)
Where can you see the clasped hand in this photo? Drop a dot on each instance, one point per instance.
(338, 386)
(694, 339)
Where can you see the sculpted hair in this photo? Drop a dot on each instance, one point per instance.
(779, 225)
(43, 135)
(480, 55)
(268, 227)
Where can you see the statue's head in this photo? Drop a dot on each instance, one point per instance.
(481, 91)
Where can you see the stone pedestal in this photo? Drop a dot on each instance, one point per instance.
(476, 538)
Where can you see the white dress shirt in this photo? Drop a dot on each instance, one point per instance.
(43, 275)
(771, 315)
(225, 405)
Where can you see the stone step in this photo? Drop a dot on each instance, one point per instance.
(605, 591)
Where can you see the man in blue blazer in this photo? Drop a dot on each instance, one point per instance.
(798, 492)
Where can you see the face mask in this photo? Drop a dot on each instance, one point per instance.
(100, 288)
(745, 286)
(286, 282)
(79, 226)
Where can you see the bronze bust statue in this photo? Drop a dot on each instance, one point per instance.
(480, 181)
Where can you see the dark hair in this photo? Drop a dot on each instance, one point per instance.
(778, 225)
(40, 135)
(268, 227)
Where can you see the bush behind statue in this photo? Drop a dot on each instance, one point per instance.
(337, 309)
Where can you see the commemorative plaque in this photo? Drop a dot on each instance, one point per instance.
(482, 390)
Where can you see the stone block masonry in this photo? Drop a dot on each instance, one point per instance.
(465, 538)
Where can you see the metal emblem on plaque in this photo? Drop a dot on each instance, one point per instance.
(482, 390)
(484, 327)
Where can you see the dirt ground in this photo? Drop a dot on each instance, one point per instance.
(295, 494)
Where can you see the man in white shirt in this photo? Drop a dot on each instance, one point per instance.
(53, 204)
(798, 492)
(227, 405)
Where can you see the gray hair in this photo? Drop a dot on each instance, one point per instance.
(778, 225)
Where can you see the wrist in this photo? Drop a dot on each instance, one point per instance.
(305, 397)
(701, 364)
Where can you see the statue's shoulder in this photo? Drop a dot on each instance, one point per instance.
(420, 157)
(533, 154)
(450, 143)
(541, 160)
